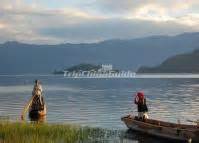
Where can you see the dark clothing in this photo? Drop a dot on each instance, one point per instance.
(36, 103)
(142, 107)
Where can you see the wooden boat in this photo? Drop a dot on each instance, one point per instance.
(34, 114)
(180, 132)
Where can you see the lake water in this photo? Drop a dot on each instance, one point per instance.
(102, 102)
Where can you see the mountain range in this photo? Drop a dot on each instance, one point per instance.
(21, 58)
(182, 63)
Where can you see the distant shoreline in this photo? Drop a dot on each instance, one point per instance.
(137, 75)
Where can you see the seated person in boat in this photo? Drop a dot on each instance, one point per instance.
(38, 101)
(140, 101)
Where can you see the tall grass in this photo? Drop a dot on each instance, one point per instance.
(41, 133)
(21, 132)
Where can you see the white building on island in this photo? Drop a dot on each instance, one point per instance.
(106, 67)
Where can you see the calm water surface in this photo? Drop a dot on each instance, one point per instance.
(102, 102)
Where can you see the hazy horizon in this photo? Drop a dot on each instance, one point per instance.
(93, 42)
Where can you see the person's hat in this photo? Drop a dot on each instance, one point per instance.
(140, 93)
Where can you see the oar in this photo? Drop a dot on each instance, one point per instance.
(25, 109)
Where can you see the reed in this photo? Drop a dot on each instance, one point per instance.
(23, 132)
(41, 133)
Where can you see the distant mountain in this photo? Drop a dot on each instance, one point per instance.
(183, 63)
(20, 58)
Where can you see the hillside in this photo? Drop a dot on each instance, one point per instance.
(183, 63)
(20, 58)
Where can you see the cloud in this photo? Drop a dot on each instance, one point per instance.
(152, 12)
(170, 10)
(191, 19)
(2, 26)
(95, 20)
(157, 13)
(114, 28)
(129, 6)
(23, 22)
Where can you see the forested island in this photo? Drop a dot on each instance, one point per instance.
(79, 67)
(182, 63)
(87, 67)
(83, 67)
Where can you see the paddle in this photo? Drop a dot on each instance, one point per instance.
(26, 107)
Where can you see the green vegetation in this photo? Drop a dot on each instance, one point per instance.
(50, 133)
(183, 63)
(84, 67)
(58, 72)
(40, 133)
(79, 67)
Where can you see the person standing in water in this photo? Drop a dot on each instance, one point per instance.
(37, 90)
(36, 103)
(142, 108)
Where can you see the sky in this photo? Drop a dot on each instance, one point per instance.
(77, 21)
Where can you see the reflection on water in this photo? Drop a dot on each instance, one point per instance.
(129, 136)
(101, 102)
(125, 136)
